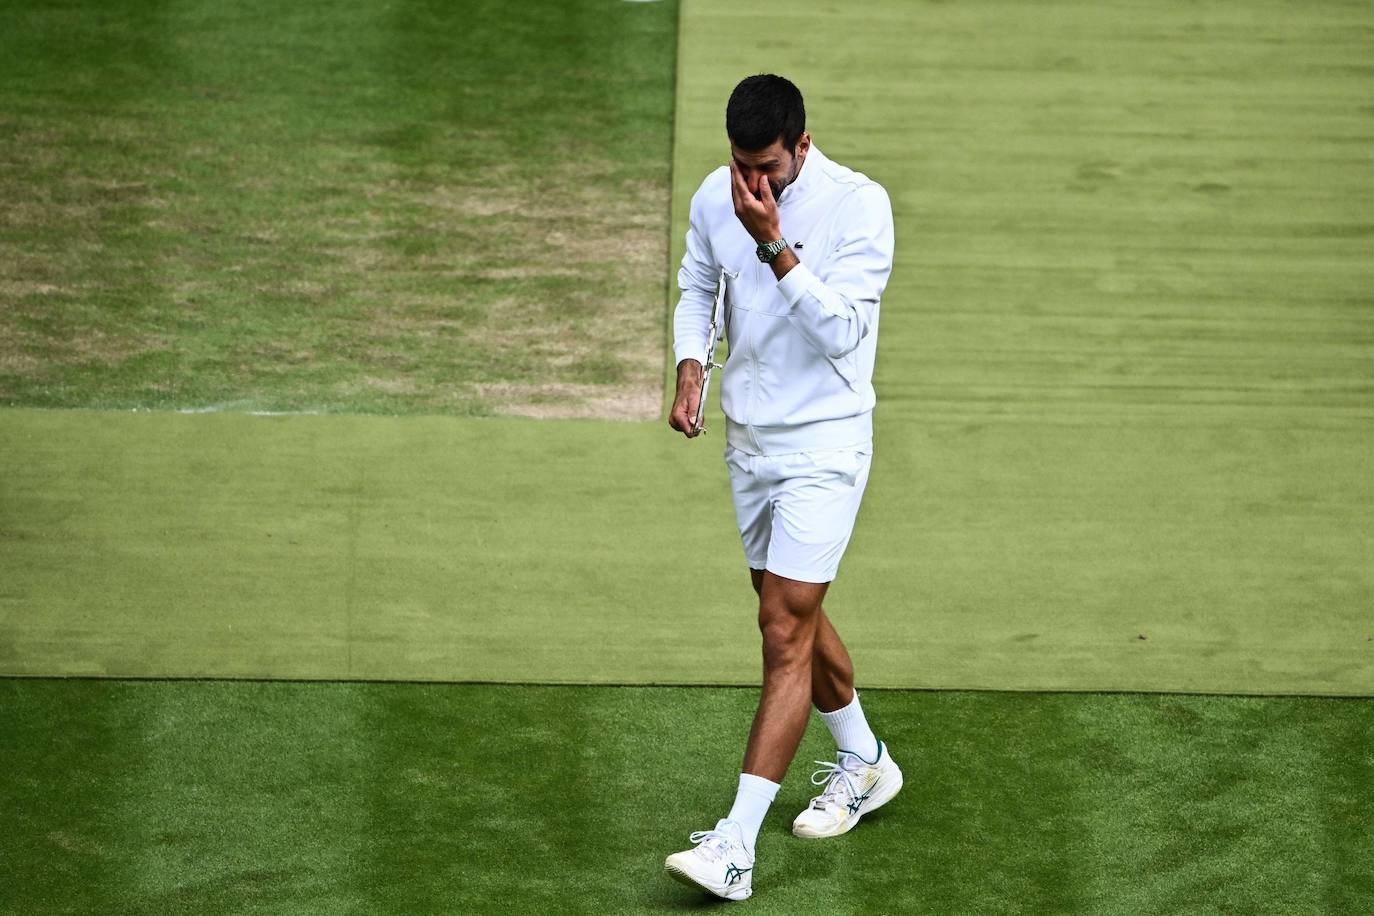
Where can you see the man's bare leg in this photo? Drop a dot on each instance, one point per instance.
(832, 691)
(788, 614)
(832, 671)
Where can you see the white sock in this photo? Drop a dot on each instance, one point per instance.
(851, 730)
(752, 799)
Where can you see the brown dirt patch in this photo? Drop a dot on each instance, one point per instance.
(515, 291)
(573, 401)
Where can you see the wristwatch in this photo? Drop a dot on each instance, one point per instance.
(767, 251)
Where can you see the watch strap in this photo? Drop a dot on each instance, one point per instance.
(767, 251)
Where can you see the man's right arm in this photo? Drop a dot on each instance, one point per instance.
(684, 412)
(697, 279)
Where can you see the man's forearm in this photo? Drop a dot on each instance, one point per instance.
(689, 372)
(691, 320)
(832, 322)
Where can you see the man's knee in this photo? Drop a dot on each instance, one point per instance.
(787, 639)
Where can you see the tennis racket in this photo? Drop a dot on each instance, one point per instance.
(718, 315)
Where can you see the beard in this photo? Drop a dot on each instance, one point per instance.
(777, 187)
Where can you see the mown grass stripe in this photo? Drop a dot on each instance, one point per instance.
(312, 798)
(217, 545)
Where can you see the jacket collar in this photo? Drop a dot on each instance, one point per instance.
(812, 165)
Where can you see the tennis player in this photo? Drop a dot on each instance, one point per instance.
(806, 246)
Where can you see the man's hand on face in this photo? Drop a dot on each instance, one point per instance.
(684, 410)
(755, 206)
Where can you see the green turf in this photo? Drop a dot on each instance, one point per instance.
(1123, 433)
(157, 797)
(402, 207)
(1123, 443)
(1144, 215)
(436, 548)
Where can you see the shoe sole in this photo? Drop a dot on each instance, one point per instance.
(684, 877)
(890, 790)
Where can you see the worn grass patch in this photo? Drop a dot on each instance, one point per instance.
(405, 208)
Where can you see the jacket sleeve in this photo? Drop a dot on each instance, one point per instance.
(697, 279)
(834, 307)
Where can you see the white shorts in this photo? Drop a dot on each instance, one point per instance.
(796, 512)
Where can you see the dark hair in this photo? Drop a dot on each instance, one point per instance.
(763, 108)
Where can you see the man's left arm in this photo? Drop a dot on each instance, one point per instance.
(834, 306)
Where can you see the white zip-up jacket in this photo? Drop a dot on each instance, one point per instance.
(800, 370)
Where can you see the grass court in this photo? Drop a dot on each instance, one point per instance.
(346, 565)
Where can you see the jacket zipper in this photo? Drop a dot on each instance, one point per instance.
(753, 378)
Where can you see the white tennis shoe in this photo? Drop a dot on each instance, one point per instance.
(719, 864)
(853, 788)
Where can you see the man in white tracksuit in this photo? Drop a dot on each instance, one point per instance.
(806, 246)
